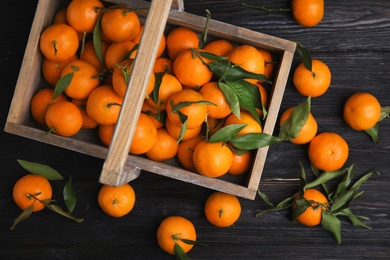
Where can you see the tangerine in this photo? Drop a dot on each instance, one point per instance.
(116, 201)
(312, 216)
(165, 148)
(179, 39)
(222, 209)
(308, 12)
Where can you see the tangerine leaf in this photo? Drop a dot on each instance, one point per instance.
(374, 133)
(191, 242)
(230, 72)
(316, 172)
(385, 112)
(41, 169)
(332, 224)
(62, 84)
(355, 220)
(203, 37)
(97, 38)
(363, 179)
(293, 125)
(325, 177)
(60, 211)
(226, 133)
(179, 253)
(211, 56)
(265, 198)
(248, 96)
(69, 194)
(305, 56)
(343, 200)
(130, 52)
(343, 185)
(253, 141)
(157, 85)
(23, 216)
(300, 206)
(231, 98)
(183, 130)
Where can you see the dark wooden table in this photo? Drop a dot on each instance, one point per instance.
(353, 39)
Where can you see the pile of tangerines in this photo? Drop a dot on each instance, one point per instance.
(191, 104)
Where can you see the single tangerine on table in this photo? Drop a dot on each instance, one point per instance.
(308, 12)
(308, 131)
(212, 93)
(222, 209)
(312, 83)
(245, 118)
(220, 47)
(104, 105)
(117, 52)
(120, 24)
(59, 42)
(64, 118)
(172, 230)
(312, 216)
(241, 163)
(89, 55)
(169, 85)
(116, 201)
(328, 151)
(191, 69)
(52, 70)
(212, 159)
(186, 150)
(41, 101)
(195, 112)
(165, 147)
(249, 58)
(29, 190)
(85, 79)
(179, 39)
(362, 111)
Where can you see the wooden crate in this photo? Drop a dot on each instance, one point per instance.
(118, 171)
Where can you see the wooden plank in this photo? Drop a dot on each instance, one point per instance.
(113, 167)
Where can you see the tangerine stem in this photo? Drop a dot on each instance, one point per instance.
(270, 10)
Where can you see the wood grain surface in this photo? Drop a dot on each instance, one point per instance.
(353, 39)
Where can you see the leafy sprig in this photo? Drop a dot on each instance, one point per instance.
(69, 193)
(339, 200)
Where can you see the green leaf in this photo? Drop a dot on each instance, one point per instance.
(265, 198)
(63, 213)
(325, 177)
(69, 194)
(226, 133)
(385, 113)
(159, 76)
(374, 133)
(253, 141)
(332, 224)
(183, 130)
(284, 204)
(62, 84)
(343, 200)
(231, 98)
(355, 220)
(300, 206)
(302, 180)
(211, 56)
(293, 125)
(97, 38)
(363, 179)
(191, 242)
(130, 52)
(203, 37)
(23, 216)
(316, 172)
(343, 185)
(305, 56)
(41, 169)
(248, 96)
(179, 253)
(230, 72)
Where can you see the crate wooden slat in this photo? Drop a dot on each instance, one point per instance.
(30, 79)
